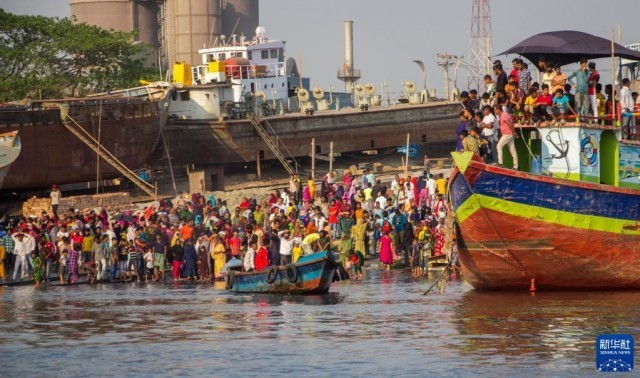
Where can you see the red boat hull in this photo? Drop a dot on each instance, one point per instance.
(514, 227)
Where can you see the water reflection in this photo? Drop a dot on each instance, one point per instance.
(379, 326)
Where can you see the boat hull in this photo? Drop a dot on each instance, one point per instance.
(315, 277)
(10, 148)
(130, 130)
(207, 142)
(514, 227)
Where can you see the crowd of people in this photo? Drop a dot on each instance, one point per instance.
(487, 120)
(194, 237)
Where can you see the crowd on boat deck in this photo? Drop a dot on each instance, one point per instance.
(194, 237)
(486, 121)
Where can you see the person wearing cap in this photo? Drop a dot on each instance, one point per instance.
(24, 244)
(55, 195)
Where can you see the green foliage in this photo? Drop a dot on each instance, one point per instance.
(43, 57)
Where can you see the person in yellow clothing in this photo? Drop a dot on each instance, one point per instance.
(3, 253)
(358, 233)
(312, 188)
(528, 106)
(219, 256)
(309, 243)
(441, 184)
(297, 250)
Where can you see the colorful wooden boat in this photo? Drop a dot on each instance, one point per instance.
(311, 274)
(10, 147)
(574, 225)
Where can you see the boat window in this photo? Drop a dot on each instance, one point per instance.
(281, 55)
(239, 54)
(250, 55)
(210, 58)
(273, 54)
(222, 56)
(184, 95)
(265, 54)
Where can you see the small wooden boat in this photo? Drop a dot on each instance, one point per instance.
(10, 147)
(311, 274)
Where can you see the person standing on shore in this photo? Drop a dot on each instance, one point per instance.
(189, 260)
(55, 195)
(24, 244)
(72, 264)
(386, 251)
(3, 255)
(177, 255)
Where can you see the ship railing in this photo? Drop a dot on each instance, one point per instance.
(255, 71)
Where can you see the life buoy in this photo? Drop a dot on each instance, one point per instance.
(229, 280)
(272, 274)
(292, 273)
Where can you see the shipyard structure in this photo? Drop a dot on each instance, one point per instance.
(175, 29)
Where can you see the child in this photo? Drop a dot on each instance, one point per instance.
(415, 258)
(64, 273)
(148, 257)
(37, 268)
(297, 250)
(558, 110)
(357, 261)
(529, 105)
(491, 87)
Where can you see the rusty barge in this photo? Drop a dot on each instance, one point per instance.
(126, 123)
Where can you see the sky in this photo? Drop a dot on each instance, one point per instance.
(390, 35)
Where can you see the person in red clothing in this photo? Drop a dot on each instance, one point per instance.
(186, 231)
(543, 100)
(235, 243)
(594, 78)
(262, 256)
(334, 210)
(515, 72)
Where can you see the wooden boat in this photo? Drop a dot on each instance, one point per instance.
(311, 274)
(574, 225)
(10, 147)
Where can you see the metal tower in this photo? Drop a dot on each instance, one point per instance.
(479, 44)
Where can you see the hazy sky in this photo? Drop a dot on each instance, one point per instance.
(389, 35)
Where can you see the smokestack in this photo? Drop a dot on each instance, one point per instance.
(348, 45)
(348, 73)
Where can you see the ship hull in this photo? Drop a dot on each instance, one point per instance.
(51, 154)
(514, 227)
(211, 142)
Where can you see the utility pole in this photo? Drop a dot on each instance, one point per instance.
(331, 156)
(313, 158)
(479, 44)
(445, 61)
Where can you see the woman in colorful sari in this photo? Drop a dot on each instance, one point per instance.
(312, 188)
(203, 264)
(218, 253)
(358, 233)
(386, 251)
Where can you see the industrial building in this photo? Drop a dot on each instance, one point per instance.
(177, 29)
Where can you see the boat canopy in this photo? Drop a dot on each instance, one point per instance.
(568, 46)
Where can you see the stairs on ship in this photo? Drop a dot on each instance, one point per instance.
(76, 129)
(273, 145)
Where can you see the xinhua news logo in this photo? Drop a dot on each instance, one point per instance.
(614, 353)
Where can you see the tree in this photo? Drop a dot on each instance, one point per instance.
(44, 57)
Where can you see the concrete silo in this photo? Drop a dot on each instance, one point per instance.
(191, 25)
(121, 15)
(244, 13)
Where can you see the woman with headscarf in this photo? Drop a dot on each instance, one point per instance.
(203, 264)
(218, 253)
(358, 233)
(386, 251)
(312, 187)
(176, 254)
(189, 260)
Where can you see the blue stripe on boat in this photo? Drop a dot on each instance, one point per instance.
(551, 196)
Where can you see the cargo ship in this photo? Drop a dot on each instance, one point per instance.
(127, 123)
(213, 103)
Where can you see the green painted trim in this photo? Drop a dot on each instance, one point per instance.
(609, 159)
(587, 178)
(476, 202)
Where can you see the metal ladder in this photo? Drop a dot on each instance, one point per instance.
(76, 129)
(273, 147)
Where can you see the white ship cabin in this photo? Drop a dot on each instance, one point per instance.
(228, 72)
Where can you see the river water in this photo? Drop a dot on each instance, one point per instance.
(381, 326)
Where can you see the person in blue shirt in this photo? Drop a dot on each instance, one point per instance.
(559, 107)
(582, 88)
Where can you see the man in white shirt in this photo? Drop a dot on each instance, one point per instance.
(286, 244)
(489, 126)
(431, 190)
(627, 105)
(24, 244)
(55, 199)
(381, 201)
(249, 257)
(395, 186)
